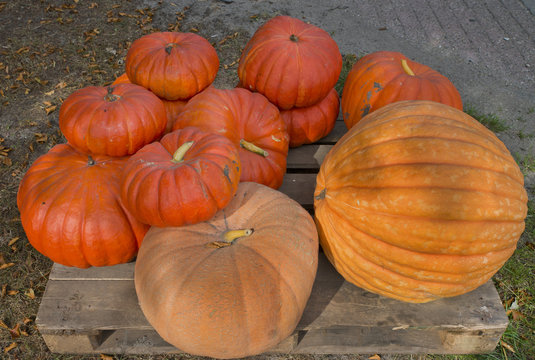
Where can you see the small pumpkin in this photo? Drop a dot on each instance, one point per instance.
(251, 122)
(292, 63)
(184, 178)
(309, 124)
(71, 210)
(114, 120)
(172, 107)
(173, 65)
(419, 201)
(384, 77)
(233, 286)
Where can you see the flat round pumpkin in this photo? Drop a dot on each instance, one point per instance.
(71, 209)
(184, 178)
(235, 285)
(419, 201)
(251, 122)
(384, 77)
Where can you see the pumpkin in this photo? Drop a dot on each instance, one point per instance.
(182, 179)
(71, 210)
(172, 107)
(233, 286)
(384, 77)
(173, 65)
(292, 63)
(309, 124)
(251, 122)
(419, 201)
(113, 120)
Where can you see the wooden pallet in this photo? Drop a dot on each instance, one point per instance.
(96, 310)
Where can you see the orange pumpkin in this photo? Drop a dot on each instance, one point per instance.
(71, 210)
(173, 65)
(251, 122)
(184, 178)
(292, 63)
(419, 201)
(384, 77)
(235, 285)
(309, 124)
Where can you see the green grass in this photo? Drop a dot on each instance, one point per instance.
(491, 121)
(348, 60)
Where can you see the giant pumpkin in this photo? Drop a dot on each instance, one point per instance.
(71, 209)
(294, 64)
(251, 122)
(235, 285)
(384, 77)
(419, 201)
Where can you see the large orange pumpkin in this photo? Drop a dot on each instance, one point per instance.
(384, 77)
(309, 124)
(292, 63)
(71, 209)
(114, 120)
(251, 122)
(184, 178)
(173, 65)
(235, 285)
(419, 201)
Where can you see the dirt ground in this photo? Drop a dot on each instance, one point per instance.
(50, 48)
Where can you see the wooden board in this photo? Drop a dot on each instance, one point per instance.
(96, 310)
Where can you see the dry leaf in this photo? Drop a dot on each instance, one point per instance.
(41, 138)
(10, 347)
(375, 357)
(26, 321)
(106, 357)
(30, 293)
(507, 346)
(2, 260)
(12, 292)
(3, 325)
(12, 241)
(5, 266)
(61, 85)
(517, 315)
(50, 109)
(15, 332)
(3, 291)
(50, 92)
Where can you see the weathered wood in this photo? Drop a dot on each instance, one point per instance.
(104, 316)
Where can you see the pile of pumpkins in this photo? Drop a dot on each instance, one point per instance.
(417, 201)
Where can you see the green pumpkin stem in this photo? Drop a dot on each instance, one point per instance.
(294, 38)
(406, 67)
(253, 148)
(110, 96)
(178, 156)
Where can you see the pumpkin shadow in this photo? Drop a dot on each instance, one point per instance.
(326, 285)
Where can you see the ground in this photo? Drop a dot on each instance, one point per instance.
(51, 48)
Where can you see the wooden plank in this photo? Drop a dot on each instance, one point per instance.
(300, 187)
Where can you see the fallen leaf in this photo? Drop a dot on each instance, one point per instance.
(26, 321)
(106, 357)
(3, 291)
(24, 333)
(5, 266)
(41, 138)
(15, 332)
(3, 325)
(507, 346)
(12, 292)
(61, 85)
(10, 347)
(12, 241)
(375, 357)
(517, 315)
(30, 293)
(50, 92)
(2, 260)
(50, 109)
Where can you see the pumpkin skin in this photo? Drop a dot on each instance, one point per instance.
(381, 78)
(163, 191)
(173, 65)
(309, 124)
(419, 201)
(243, 117)
(71, 210)
(172, 107)
(114, 120)
(233, 301)
(292, 63)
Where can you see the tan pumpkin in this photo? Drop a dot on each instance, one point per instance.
(419, 201)
(235, 285)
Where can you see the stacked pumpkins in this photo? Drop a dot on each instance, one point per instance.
(416, 201)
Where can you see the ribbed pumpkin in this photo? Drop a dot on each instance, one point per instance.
(185, 178)
(419, 201)
(114, 120)
(384, 77)
(173, 65)
(172, 107)
(235, 285)
(292, 63)
(71, 209)
(251, 122)
(309, 124)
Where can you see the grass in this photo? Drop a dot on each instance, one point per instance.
(491, 121)
(348, 60)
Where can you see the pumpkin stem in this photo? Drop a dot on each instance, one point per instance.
(110, 96)
(178, 156)
(229, 237)
(169, 47)
(406, 67)
(90, 160)
(294, 38)
(253, 148)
